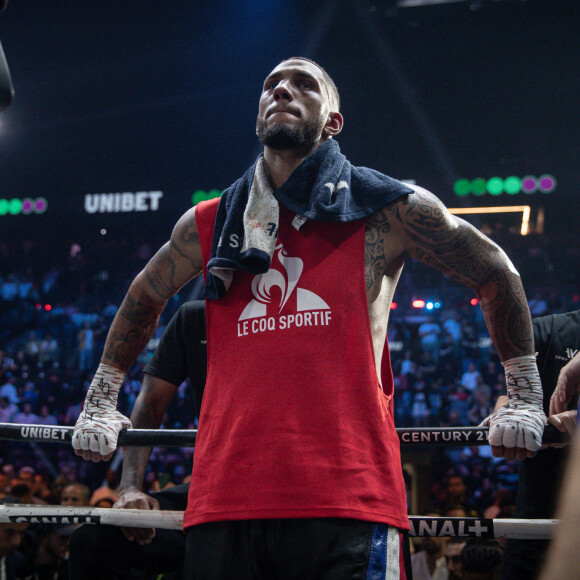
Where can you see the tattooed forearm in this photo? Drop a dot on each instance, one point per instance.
(131, 330)
(137, 312)
(376, 228)
(505, 309)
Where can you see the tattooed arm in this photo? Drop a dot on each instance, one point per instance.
(175, 264)
(433, 236)
(98, 426)
(449, 244)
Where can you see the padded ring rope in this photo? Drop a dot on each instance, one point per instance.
(173, 520)
(449, 436)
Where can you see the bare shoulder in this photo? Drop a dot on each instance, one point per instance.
(185, 235)
(178, 261)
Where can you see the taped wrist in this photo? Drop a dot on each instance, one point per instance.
(523, 383)
(104, 390)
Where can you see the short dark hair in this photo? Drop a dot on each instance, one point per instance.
(481, 555)
(333, 95)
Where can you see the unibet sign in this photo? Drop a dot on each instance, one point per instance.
(122, 202)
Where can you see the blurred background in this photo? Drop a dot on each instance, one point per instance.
(125, 114)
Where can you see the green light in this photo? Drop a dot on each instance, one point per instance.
(478, 186)
(4, 206)
(202, 195)
(461, 187)
(512, 185)
(495, 186)
(15, 206)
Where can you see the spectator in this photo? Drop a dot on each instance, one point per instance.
(26, 416)
(48, 349)
(11, 535)
(32, 349)
(429, 332)
(45, 417)
(470, 376)
(481, 559)
(75, 494)
(8, 389)
(51, 559)
(110, 489)
(85, 339)
(30, 395)
(453, 558)
(6, 365)
(428, 563)
(482, 405)
(469, 344)
(7, 410)
(452, 325)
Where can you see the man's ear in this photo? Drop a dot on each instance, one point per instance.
(333, 125)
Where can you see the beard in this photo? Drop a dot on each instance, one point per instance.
(284, 137)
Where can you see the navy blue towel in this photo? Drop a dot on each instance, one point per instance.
(325, 187)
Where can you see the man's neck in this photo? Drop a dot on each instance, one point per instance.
(281, 164)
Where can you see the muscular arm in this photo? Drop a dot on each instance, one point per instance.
(175, 264)
(435, 237)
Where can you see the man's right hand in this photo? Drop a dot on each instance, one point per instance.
(95, 434)
(134, 498)
(99, 424)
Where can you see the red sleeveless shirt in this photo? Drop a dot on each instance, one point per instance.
(294, 422)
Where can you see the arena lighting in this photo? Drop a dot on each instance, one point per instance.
(202, 195)
(511, 185)
(24, 206)
(418, 303)
(525, 209)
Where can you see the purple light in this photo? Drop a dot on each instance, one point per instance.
(41, 205)
(27, 205)
(547, 183)
(529, 184)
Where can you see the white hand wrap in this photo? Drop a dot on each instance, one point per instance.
(99, 424)
(519, 423)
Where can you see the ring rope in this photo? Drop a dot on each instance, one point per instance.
(448, 436)
(173, 520)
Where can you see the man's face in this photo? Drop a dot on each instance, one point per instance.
(72, 495)
(10, 538)
(294, 106)
(453, 559)
(57, 545)
(456, 487)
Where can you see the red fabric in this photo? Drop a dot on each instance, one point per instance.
(293, 421)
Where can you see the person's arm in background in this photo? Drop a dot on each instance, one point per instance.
(175, 264)
(428, 232)
(150, 406)
(568, 385)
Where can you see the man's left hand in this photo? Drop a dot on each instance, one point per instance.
(515, 432)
